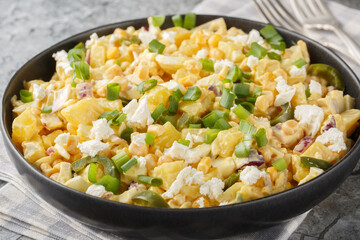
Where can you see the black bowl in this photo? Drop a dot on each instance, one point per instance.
(131, 220)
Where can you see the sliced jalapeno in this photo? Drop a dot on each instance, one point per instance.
(149, 198)
(286, 113)
(109, 166)
(330, 74)
(231, 180)
(313, 162)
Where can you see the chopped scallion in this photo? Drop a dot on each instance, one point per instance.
(190, 20)
(158, 112)
(280, 164)
(210, 135)
(173, 106)
(126, 133)
(241, 112)
(257, 50)
(207, 64)
(156, 47)
(112, 91)
(231, 180)
(192, 94)
(184, 142)
(241, 90)
(26, 96)
(81, 70)
(92, 173)
(195, 125)
(126, 166)
(210, 119)
(257, 92)
(273, 55)
(227, 99)
(47, 109)
(152, 181)
(149, 138)
(146, 85)
(278, 45)
(307, 92)
(248, 106)
(241, 151)
(234, 73)
(158, 20)
(120, 159)
(221, 124)
(246, 127)
(261, 138)
(177, 20)
(268, 31)
(300, 63)
(110, 183)
(117, 120)
(178, 94)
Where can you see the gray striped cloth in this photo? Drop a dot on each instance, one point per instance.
(24, 212)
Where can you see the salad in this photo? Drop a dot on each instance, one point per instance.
(184, 117)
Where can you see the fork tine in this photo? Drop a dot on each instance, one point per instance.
(286, 16)
(311, 7)
(324, 9)
(265, 13)
(298, 10)
(274, 11)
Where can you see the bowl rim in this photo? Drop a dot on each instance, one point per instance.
(6, 136)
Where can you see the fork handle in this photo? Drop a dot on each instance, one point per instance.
(353, 47)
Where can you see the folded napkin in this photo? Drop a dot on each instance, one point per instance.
(24, 212)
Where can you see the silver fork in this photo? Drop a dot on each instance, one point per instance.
(314, 14)
(275, 13)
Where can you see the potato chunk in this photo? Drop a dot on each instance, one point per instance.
(26, 126)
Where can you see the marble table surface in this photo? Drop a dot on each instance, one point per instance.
(28, 27)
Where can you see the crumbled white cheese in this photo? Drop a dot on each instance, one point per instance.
(101, 129)
(172, 85)
(186, 177)
(310, 118)
(141, 161)
(180, 151)
(193, 138)
(138, 114)
(139, 139)
(202, 53)
(212, 188)
(251, 174)
(60, 98)
(314, 172)
(242, 38)
(92, 147)
(136, 60)
(62, 139)
(38, 92)
(168, 36)
(333, 139)
(51, 87)
(201, 202)
(62, 61)
(252, 61)
(296, 72)
(254, 36)
(93, 38)
(286, 92)
(315, 87)
(146, 37)
(113, 38)
(220, 64)
(96, 190)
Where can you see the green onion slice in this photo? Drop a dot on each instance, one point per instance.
(149, 138)
(300, 63)
(241, 112)
(257, 50)
(234, 73)
(47, 109)
(146, 85)
(314, 162)
(246, 127)
(110, 183)
(184, 142)
(156, 47)
(196, 125)
(227, 99)
(261, 138)
(210, 119)
(177, 20)
(307, 92)
(280, 164)
(117, 120)
(207, 64)
(190, 21)
(173, 106)
(248, 106)
(158, 20)
(109, 115)
(257, 92)
(241, 150)
(158, 112)
(231, 180)
(192, 94)
(92, 172)
(221, 124)
(149, 198)
(126, 166)
(178, 94)
(268, 31)
(81, 70)
(241, 90)
(112, 91)
(152, 181)
(26, 96)
(120, 159)
(126, 133)
(210, 135)
(273, 55)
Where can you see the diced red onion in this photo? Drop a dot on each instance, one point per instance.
(83, 90)
(215, 90)
(331, 124)
(88, 57)
(255, 159)
(303, 144)
(133, 185)
(50, 151)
